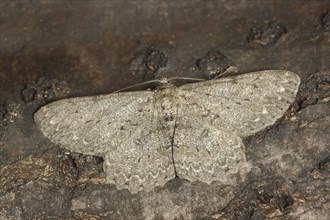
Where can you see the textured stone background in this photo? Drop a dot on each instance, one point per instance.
(56, 49)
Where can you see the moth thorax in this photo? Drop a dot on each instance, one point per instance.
(166, 96)
(168, 109)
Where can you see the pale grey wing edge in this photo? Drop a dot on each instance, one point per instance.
(246, 103)
(92, 125)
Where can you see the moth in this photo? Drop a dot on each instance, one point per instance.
(193, 131)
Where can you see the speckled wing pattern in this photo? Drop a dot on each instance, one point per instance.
(121, 127)
(194, 131)
(218, 113)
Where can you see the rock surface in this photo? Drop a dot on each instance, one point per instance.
(56, 49)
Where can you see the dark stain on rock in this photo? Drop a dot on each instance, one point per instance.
(45, 89)
(267, 34)
(155, 59)
(284, 201)
(316, 88)
(325, 20)
(147, 63)
(213, 64)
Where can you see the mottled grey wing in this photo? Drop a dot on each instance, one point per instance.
(216, 114)
(204, 152)
(121, 127)
(246, 103)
